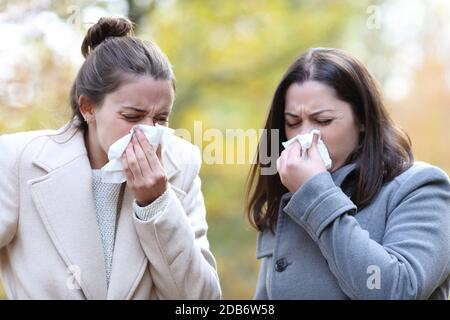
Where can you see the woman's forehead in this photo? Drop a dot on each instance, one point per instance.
(312, 97)
(143, 96)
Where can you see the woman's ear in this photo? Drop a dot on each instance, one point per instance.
(86, 108)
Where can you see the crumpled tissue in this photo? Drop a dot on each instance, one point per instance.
(112, 172)
(306, 142)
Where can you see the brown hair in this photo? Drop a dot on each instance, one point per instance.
(113, 55)
(384, 150)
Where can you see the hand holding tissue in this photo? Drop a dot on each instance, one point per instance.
(305, 141)
(112, 172)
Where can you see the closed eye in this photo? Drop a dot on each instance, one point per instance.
(321, 122)
(163, 120)
(292, 125)
(131, 118)
(324, 122)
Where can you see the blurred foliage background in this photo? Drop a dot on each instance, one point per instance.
(228, 57)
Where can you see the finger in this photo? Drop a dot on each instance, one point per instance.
(315, 139)
(158, 153)
(149, 151)
(126, 168)
(132, 162)
(154, 160)
(144, 143)
(313, 151)
(141, 158)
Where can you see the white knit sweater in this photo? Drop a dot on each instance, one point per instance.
(106, 197)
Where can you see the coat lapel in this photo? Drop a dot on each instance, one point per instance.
(342, 173)
(129, 260)
(64, 200)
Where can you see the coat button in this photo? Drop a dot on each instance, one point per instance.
(281, 265)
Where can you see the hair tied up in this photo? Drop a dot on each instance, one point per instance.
(105, 28)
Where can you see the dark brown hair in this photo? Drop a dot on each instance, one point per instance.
(384, 150)
(113, 55)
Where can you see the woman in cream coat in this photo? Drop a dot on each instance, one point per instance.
(52, 235)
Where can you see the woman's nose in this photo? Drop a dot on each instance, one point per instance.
(148, 121)
(306, 128)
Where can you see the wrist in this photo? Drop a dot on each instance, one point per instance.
(146, 202)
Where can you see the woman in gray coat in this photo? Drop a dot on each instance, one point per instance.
(376, 224)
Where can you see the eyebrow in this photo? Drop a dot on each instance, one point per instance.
(312, 114)
(135, 109)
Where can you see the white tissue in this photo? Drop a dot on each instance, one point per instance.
(112, 172)
(306, 142)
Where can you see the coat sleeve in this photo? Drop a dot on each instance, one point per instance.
(9, 197)
(412, 259)
(175, 243)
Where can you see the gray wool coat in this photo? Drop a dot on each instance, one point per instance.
(398, 247)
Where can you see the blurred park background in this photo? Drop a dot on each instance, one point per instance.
(228, 57)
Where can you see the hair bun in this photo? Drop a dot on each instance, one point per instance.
(105, 27)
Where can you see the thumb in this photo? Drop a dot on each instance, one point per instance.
(315, 139)
(158, 152)
(313, 151)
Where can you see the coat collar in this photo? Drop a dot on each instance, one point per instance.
(64, 198)
(342, 173)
